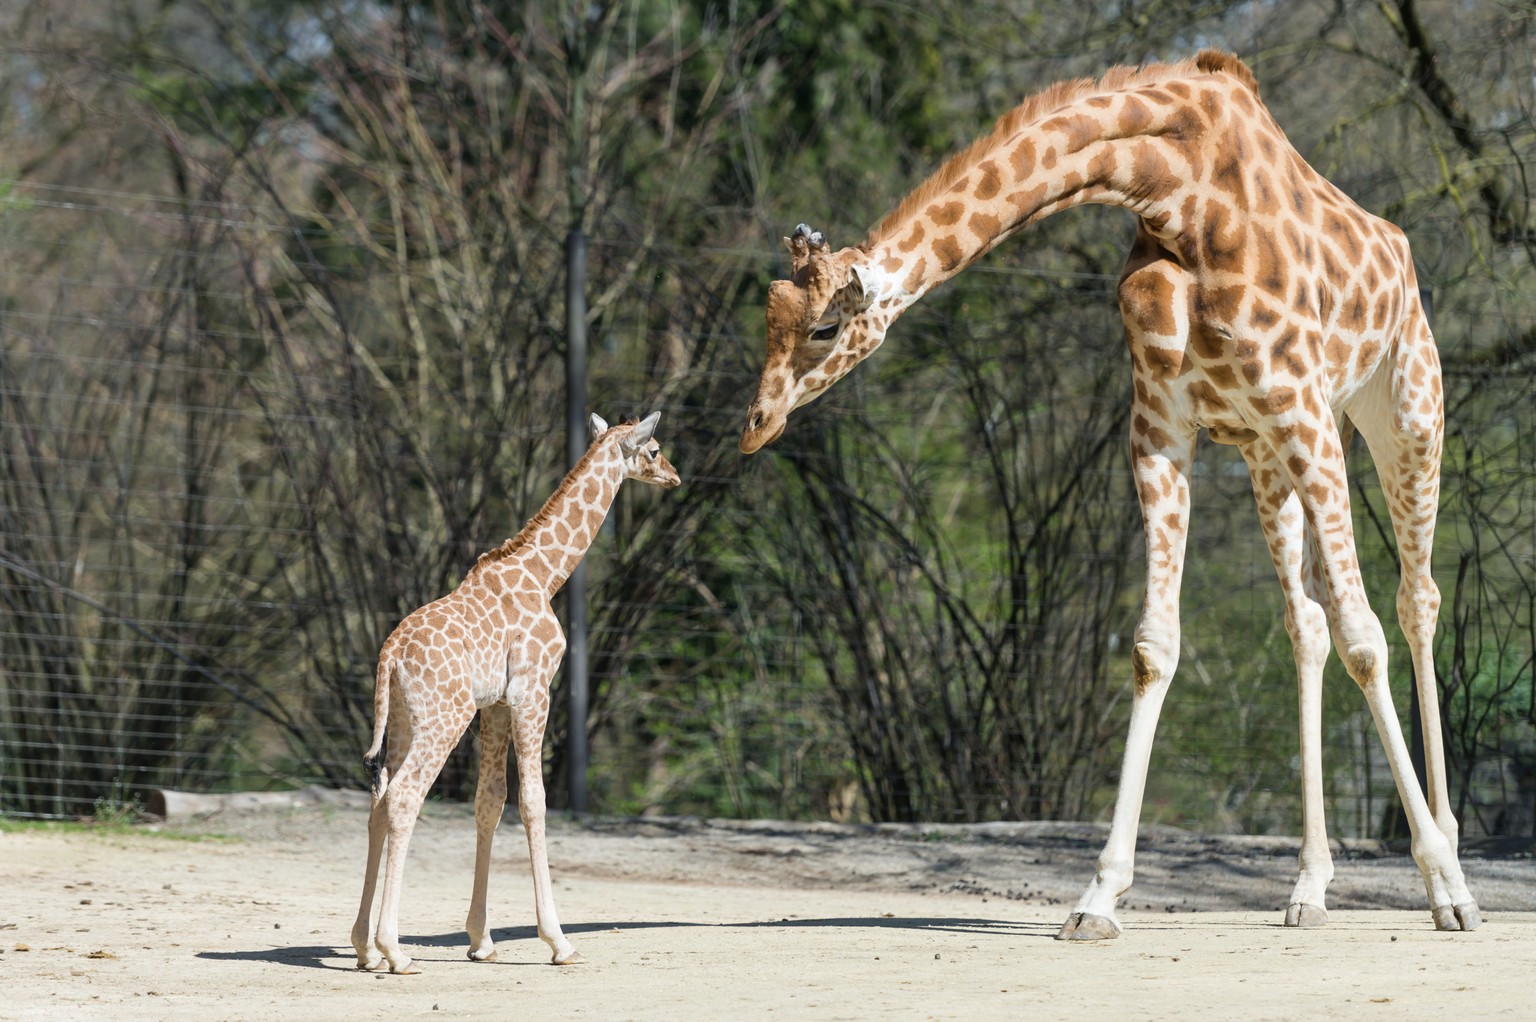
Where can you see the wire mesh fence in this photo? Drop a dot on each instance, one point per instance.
(218, 499)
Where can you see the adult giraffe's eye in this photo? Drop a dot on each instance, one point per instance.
(824, 333)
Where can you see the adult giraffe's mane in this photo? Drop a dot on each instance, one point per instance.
(1047, 101)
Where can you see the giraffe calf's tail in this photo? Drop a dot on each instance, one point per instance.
(373, 759)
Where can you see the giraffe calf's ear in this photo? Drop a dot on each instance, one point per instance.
(641, 434)
(599, 427)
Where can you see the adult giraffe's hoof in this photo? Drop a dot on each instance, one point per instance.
(1458, 917)
(1299, 914)
(1087, 926)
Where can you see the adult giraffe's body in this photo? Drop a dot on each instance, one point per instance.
(1261, 304)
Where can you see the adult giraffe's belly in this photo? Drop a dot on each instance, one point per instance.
(1234, 435)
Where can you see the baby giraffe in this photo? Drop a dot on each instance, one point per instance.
(491, 645)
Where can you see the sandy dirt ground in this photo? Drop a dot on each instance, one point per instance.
(683, 918)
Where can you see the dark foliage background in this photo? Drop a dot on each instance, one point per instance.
(282, 341)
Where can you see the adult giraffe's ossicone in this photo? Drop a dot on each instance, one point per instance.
(1260, 304)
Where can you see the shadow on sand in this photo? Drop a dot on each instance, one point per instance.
(342, 956)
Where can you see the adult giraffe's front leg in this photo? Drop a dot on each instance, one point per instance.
(1162, 484)
(1306, 621)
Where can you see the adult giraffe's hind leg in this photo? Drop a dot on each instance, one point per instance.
(490, 799)
(1404, 432)
(1315, 464)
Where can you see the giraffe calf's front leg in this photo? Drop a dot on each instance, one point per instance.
(531, 808)
(370, 959)
(398, 962)
(564, 952)
(1089, 926)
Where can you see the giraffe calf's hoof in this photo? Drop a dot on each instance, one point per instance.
(571, 958)
(1087, 926)
(1300, 914)
(476, 956)
(1458, 917)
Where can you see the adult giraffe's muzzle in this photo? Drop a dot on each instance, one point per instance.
(763, 428)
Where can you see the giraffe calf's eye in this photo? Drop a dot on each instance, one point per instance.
(824, 333)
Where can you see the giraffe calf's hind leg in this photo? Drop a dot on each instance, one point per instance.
(369, 957)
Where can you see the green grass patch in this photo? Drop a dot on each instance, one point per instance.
(114, 827)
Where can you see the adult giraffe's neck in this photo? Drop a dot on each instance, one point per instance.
(555, 539)
(1138, 147)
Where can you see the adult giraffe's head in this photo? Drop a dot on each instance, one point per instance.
(820, 325)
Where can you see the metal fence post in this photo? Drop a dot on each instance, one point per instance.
(576, 446)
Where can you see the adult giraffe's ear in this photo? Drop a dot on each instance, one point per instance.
(641, 434)
(598, 426)
(866, 285)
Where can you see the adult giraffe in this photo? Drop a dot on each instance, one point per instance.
(1260, 304)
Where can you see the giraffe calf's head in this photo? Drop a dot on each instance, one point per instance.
(643, 460)
(816, 331)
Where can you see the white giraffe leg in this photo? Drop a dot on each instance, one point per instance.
(401, 813)
(1318, 477)
(431, 742)
(1308, 625)
(1418, 602)
(1404, 435)
(529, 735)
(1163, 486)
(1306, 621)
(397, 743)
(369, 957)
(490, 799)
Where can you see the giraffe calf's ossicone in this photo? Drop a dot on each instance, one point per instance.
(491, 646)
